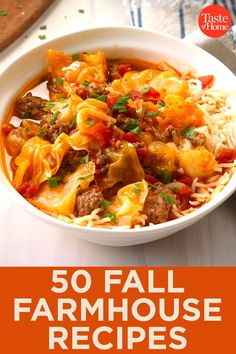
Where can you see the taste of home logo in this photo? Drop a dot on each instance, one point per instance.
(214, 21)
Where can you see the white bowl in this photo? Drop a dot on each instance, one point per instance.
(117, 42)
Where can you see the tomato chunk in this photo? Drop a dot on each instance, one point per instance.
(28, 189)
(7, 128)
(102, 133)
(124, 68)
(151, 179)
(206, 81)
(111, 100)
(134, 95)
(142, 152)
(185, 191)
(151, 94)
(184, 179)
(131, 137)
(226, 155)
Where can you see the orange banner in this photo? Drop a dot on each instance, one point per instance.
(125, 310)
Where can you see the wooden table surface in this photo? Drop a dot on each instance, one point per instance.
(24, 240)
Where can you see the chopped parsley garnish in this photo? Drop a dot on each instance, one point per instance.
(153, 113)
(166, 177)
(43, 27)
(75, 56)
(49, 105)
(65, 106)
(81, 11)
(112, 217)
(26, 130)
(73, 123)
(84, 159)
(188, 132)
(26, 115)
(133, 126)
(42, 133)
(53, 181)
(54, 117)
(167, 198)
(59, 80)
(145, 89)
(3, 13)
(175, 190)
(161, 103)
(100, 97)
(42, 37)
(61, 99)
(105, 204)
(90, 121)
(85, 82)
(136, 188)
(83, 178)
(121, 104)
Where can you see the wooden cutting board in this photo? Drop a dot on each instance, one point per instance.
(18, 15)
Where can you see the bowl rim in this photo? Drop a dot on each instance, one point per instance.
(174, 225)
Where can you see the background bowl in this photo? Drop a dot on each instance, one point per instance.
(117, 42)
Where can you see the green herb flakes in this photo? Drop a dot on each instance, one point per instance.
(43, 27)
(166, 177)
(65, 106)
(83, 178)
(26, 115)
(53, 181)
(90, 121)
(153, 113)
(26, 130)
(81, 11)
(49, 105)
(3, 13)
(75, 56)
(133, 126)
(54, 117)
(73, 123)
(188, 132)
(167, 198)
(84, 159)
(105, 204)
(85, 82)
(175, 190)
(112, 217)
(145, 89)
(161, 103)
(42, 133)
(100, 97)
(42, 37)
(136, 188)
(121, 104)
(59, 80)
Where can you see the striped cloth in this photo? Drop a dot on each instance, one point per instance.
(180, 18)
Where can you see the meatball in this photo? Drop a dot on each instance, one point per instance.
(30, 106)
(50, 131)
(88, 201)
(157, 206)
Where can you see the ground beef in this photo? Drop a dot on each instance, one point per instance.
(30, 106)
(102, 164)
(88, 201)
(170, 134)
(50, 131)
(199, 139)
(91, 90)
(71, 161)
(156, 207)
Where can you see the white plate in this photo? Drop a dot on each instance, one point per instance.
(118, 42)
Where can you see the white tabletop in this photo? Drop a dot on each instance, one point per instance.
(25, 240)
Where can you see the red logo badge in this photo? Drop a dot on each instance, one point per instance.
(214, 21)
